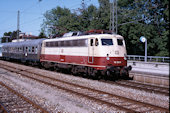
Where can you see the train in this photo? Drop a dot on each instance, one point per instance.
(1, 50)
(100, 55)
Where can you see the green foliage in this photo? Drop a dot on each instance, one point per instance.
(11, 35)
(42, 35)
(152, 22)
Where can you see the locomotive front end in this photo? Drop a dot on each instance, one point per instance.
(113, 50)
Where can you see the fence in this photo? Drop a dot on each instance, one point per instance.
(149, 58)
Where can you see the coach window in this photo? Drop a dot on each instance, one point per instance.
(91, 42)
(96, 42)
(20, 49)
(29, 49)
(32, 49)
(36, 49)
(26, 49)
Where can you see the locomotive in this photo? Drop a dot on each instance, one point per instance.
(92, 55)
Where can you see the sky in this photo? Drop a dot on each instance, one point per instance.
(31, 13)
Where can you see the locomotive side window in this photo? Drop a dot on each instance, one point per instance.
(56, 43)
(74, 43)
(96, 42)
(51, 44)
(47, 44)
(107, 41)
(91, 42)
(62, 43)
(82, 42)
(120, 42)
(68, 43)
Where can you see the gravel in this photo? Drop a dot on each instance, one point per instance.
(56, 100)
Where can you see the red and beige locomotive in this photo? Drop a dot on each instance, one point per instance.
(94, 55)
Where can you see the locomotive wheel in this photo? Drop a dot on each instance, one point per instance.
(108, 73)
(92, 73)
(85, 74)
(111, 76)
(73, 70)
(56, 69)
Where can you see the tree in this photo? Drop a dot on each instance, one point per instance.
(42, 35)
(60, 20)
(146, 18)
(104, 14)
(11, 35)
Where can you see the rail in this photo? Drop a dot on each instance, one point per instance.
(149, 58)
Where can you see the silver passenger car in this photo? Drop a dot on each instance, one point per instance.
(1, 49)
(23, 51)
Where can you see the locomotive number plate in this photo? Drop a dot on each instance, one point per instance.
(117, 62)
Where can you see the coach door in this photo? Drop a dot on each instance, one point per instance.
(91, 50)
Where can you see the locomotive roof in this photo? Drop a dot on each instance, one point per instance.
(85, 37)
(26, 43)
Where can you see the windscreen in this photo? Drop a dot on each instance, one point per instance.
(107, 41)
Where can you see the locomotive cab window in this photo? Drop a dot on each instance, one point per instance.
(107, 41)
(120, 42)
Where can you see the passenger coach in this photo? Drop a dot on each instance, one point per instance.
(24, 51)
(1, 50)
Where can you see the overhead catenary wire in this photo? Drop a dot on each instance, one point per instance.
(31, 21)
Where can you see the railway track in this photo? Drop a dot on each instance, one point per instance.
(141, 86)
(101, 97)
(12, 101)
